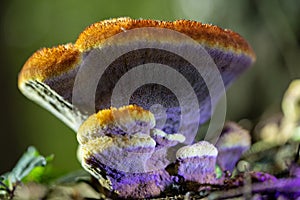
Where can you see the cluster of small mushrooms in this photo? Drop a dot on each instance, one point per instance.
(131, 158)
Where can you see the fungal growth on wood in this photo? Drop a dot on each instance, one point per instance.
(130, 149)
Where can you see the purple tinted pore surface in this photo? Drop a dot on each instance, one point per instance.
(139, 185)
(230, 64)
(63, 84)
(201, 170)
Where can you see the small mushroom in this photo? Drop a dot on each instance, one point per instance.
(197, 162)
(231, 145)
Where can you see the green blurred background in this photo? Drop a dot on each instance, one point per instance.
(272, 27)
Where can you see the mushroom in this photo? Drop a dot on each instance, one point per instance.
(102, 139)
(52, 77)
(49, 75)
(232, 143)
(197, 162)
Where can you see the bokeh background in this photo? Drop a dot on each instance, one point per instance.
(272, 27)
